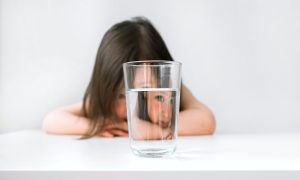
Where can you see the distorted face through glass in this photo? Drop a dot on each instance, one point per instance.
(160, 107)
(156, 105)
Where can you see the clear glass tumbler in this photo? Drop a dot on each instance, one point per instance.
(152, 101)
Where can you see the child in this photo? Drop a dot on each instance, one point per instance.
(103, 110)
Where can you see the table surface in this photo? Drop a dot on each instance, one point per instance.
(35, 150)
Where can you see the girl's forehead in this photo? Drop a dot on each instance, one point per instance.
(143, 77)
(163, 93)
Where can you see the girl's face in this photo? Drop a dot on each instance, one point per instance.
(159, 103)
(160, 107)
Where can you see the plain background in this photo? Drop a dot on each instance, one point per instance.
(241, 58)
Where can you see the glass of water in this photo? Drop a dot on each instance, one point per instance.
(152, 101)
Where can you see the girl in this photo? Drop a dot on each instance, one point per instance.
(103, 110)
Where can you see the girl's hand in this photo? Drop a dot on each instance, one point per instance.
(115, 130)
(145, 130)
(142, 130)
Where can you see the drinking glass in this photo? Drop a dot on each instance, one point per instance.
(152, 102)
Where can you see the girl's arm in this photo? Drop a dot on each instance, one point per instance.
(66, 120)
(194, 118)
(70, 121)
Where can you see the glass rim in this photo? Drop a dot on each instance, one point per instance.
(140, 63)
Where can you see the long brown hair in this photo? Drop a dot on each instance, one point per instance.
(130, 40)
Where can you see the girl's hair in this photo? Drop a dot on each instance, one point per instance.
(130, 40)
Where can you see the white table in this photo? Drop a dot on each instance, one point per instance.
(32, 153)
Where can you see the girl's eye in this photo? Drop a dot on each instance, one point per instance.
(160, 98)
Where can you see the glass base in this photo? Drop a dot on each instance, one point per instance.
(154, 152)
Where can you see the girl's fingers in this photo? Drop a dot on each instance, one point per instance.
(167, 134)
(124, 126)
(106, 134)
(170, 136)
(118, 132)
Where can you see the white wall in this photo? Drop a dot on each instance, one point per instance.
(241, 58)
